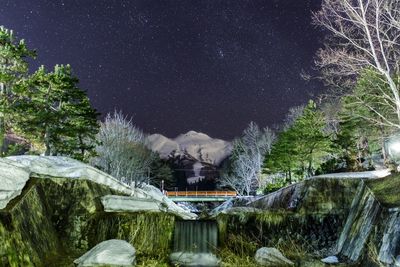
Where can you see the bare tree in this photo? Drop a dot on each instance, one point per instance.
(364, 35)
(122, 152)
(248, 156)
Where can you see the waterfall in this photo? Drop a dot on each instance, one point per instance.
(195, 236)
(364, 212)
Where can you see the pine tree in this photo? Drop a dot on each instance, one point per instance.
(13, 69)
(312, 144)
(300, 148)
(49, 108)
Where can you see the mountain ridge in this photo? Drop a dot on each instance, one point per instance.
(198, 145)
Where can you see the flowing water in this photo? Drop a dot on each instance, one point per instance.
(196, 236)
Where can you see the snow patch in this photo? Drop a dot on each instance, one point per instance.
(366, 175)
(198, 145)
(197, 177)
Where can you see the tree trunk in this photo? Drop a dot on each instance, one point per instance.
(2, 123)
(47, 141)
(82, 147)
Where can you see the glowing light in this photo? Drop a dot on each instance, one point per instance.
(395, 147)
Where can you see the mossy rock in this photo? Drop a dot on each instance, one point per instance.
(386, 190)
(151, 233)
(56, 220)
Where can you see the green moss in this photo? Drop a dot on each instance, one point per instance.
(386, 190)
(26, 232)
(272, 218)
(56, 220)
(327, 195)
(232, 259)
(150, 233)
(149, 262)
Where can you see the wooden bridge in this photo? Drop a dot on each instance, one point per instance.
(200, 196)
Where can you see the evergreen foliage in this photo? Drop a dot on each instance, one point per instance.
(13, 69)
(302, 147)
(49, 108)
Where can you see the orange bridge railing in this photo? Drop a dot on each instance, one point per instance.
(200, 193)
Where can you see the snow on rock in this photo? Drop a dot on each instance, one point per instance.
(113, 252)
(198, 145)
(64, 167)
(170, 206)
(13, 178)
(15, 171)
(367, 174)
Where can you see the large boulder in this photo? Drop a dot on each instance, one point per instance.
(64, 167)
(111, 252)
(15, 172)
(194, 259)
(114, 203)
(271, 257)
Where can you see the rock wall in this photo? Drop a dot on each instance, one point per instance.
(27, 235)
(305, 218)
(150, 233)
(56, 220)
(364, 213)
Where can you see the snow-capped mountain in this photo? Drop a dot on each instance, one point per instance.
(197, 145)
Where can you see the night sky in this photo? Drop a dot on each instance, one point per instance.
(179, 65)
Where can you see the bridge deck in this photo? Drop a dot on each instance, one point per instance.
(200, 196)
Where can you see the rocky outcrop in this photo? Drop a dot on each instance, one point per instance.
(111, 252)
(52, 212)
(15, 172)
(271, 257)
(307, 216)
(365, 210)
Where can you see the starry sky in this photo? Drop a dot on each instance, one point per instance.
(178, 65)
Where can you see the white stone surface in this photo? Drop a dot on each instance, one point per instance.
(113, 203)
(266, 256)
(330, 260)
(111, 252)
(13, 178)
(194, 259)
